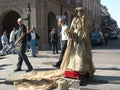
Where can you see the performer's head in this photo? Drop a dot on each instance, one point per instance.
(79, 11)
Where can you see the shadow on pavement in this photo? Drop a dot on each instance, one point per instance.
(2, 57)
(4, 65)
(49, 63)
(100, 80)
(115, 69)
(2, 80)
(45, 56)
(44, 69)
(110, 79)
(103, 79)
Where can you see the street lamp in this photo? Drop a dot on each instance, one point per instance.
(28, 12)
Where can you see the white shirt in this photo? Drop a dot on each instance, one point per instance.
(12, 36)
(33, 36)
(63, 33)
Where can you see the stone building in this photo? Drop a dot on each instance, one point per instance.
(108, 24)
(44, 14)
(93, 12)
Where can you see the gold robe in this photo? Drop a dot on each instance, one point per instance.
(80, 54)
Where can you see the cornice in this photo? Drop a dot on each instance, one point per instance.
(63, 4)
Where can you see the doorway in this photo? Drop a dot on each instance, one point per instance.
(10, 21)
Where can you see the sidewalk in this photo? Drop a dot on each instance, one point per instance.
(104, 74)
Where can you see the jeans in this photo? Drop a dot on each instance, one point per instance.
(11, 47)
(33, 47)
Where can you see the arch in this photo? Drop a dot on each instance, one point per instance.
(9, 21)
(52, 23)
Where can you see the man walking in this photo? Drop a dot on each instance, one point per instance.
(54, 40)
(22, 44)
(64, 38)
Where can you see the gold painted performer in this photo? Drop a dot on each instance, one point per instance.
(80, 59)
(77, 57)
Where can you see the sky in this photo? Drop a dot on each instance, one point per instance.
(113, 8)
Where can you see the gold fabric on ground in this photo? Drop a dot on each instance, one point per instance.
(43, 80)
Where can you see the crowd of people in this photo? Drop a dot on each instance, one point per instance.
(8, 43)
(19, 42)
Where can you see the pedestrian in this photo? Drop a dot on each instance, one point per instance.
(106, 38)
(37, 38)
(4, 39)
(33, 43)
(64, 38)
(28, 39)
(54, 40)
(21, 42)
(37, 41)
(12, 42)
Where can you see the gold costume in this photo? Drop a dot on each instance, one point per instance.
(80, 54)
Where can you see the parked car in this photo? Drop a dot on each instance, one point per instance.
(118, 35)
(97, 38)
(114, 35)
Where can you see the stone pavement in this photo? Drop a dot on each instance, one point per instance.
(106, 75)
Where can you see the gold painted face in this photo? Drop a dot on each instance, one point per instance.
(79, 11)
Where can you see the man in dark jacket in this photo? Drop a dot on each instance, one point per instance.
(54, 40)
(21, 42)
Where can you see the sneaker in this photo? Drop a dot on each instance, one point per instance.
(17, 70)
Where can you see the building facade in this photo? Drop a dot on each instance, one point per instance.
(44, 14)
(93, 12)
(108, 24)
